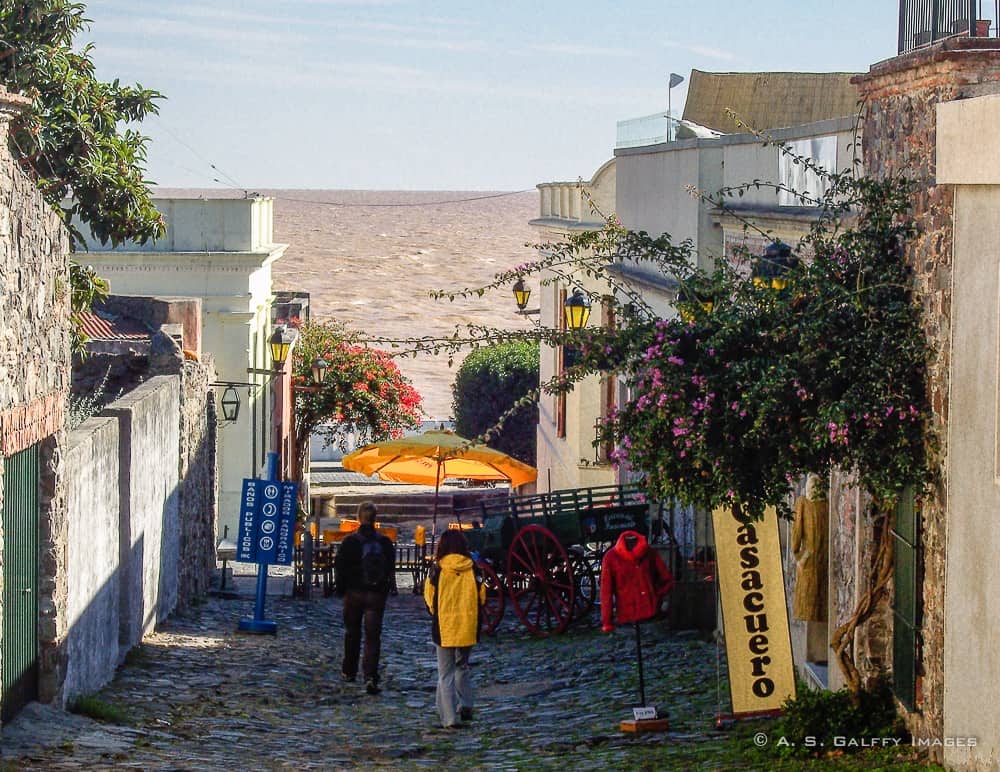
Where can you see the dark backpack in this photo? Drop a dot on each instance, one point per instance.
(373, 573)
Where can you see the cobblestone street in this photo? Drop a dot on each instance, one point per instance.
(200, 696)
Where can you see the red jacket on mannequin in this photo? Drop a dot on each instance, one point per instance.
(634, 579)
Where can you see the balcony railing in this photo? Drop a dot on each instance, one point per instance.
(921, 22)
(644, 131)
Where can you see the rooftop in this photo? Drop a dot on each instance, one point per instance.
(768, 100)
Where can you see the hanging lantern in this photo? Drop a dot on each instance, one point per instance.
(687, 296)
(281, 344)
(230, 404)
(770, 268)
(521, 294)
(319, 370)
(577, 310)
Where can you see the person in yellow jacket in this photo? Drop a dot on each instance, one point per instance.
(454, 595)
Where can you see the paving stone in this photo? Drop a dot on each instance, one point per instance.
(200, 696)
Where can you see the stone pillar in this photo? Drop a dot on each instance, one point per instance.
(900, 96)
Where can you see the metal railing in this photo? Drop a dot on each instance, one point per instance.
(921, 22)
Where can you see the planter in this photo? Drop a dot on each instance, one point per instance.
(983, 28)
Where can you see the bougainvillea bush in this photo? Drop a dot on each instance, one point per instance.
(732, 405)
(364, 394)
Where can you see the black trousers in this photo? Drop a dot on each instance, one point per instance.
(363, 607)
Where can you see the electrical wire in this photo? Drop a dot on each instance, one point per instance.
(403, 204)
(234, 184)
(232, 180)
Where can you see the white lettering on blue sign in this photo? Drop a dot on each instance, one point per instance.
(286, 524)
(267, 522)
(248, 522)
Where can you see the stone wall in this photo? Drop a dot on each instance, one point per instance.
(199, 483)
(119, 368)
(140, 542)
(91, 651)
(899, 129)
(34, 360)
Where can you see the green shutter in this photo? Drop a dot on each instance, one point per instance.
(20, 582)
(906, 600)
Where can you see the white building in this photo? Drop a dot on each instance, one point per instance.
(566, 456)
(219, 250)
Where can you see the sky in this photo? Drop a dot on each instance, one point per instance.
(443, 95)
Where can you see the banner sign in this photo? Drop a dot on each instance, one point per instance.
(754, 613)
(267, 522)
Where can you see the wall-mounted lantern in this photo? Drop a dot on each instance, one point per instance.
(577, 310)
(521, 295)
(230, 404)
(280, 343)
(770, 268)
(319, 370)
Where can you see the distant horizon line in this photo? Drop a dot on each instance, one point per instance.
(235, 190)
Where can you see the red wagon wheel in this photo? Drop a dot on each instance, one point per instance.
(540, 580)
(493, 610)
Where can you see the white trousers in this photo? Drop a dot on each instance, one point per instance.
(454, 688)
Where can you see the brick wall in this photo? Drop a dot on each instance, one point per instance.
(899, 122)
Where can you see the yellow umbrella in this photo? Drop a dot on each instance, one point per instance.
(429, 458)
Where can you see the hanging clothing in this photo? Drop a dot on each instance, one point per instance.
(634, 579)
(810, 540)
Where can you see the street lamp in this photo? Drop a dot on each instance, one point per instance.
(687, 297)
(770, 269)
(280, 343)
(319, 370)
(230, 404)
(576, 310)
(521, 295)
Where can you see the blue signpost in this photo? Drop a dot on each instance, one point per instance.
(267, 527)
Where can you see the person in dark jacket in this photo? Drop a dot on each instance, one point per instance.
(455, 596)
(364, 572)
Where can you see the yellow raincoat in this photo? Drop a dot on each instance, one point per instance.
(454, 596)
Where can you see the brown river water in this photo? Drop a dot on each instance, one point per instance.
(371, 262)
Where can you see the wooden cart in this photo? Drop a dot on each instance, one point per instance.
(543, 552)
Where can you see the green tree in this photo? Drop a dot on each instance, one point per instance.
(74, 138)
(71, 138)
(85, 288)
(490, 382)
(363, 393)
